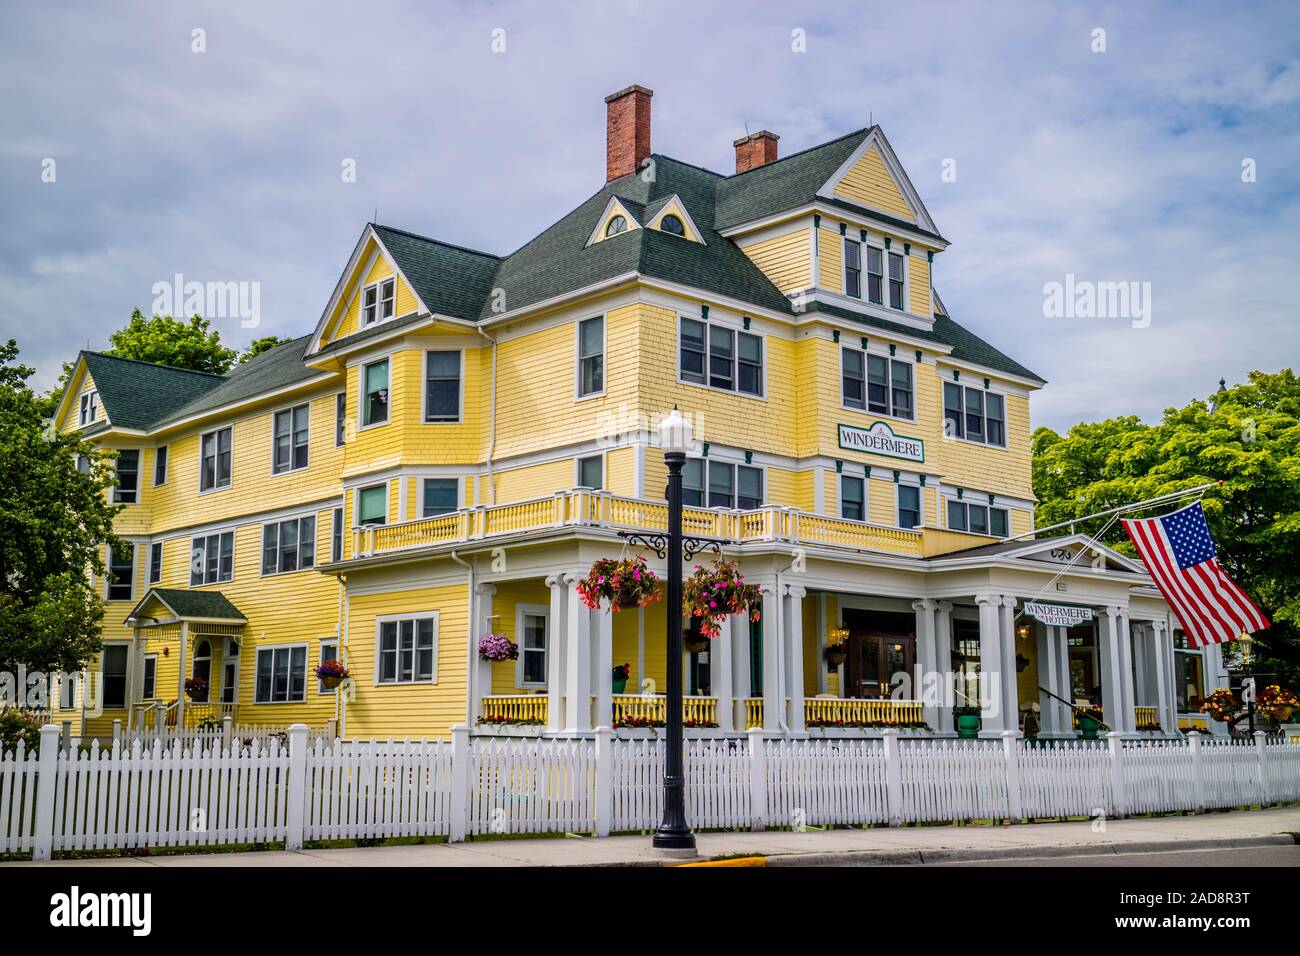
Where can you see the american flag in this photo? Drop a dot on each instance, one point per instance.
(1181, 558)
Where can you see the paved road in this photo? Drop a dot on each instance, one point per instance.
(1232, 856)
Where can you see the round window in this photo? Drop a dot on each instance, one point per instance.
(616, 225)
(671, 223)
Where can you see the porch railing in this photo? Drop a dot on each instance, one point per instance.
(753, 712)
(586, 508)
(632, 708)
(1146, 717)
(514, 708)
(821, 711)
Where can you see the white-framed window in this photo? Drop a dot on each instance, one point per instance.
(160, 466)
(230, 672)
(709, 483)
(336, 535)
(591, 356)
(281, 674)
(407, 649)
(977, 518)
(289, 545)
(212, 558)
(113, 660)
(852, 268)
(875, 275)
(897, 268)
(439, 496)
(442, 386)
(909, 505)
(531, 627)
(155, 562)
(879, 384)
(149, 677)
(121, 573)
(329, 651)
(374, 385)
(853, 498)
(1189, 673)
(378, 301)
(340, 419)
(290, 435)
(975, 415)
(214, 459)
(127, 491)
(372, 504)
(89, 409)
(68, 691)
(591, 472)
(719, 356)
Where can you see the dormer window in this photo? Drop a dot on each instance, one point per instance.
(89, 408)
(616, 225)
(673, 225)
(378, 301)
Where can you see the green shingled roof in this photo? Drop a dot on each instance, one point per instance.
(450, 280)
(184, 603)
(138, 394)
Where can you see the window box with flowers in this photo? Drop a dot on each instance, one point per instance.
(623, 584)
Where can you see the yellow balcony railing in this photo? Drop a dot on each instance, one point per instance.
(1146, 718)
(753, 712)
(823, 711)
(631, 709)
(514, 708)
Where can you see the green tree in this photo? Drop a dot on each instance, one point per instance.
(167, 341)
(54, 520)
(1246, 438)
(258, 346)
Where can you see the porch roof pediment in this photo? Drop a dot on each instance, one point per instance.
(186, 605)
(1058, 552)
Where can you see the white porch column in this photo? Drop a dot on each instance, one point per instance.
(1010, 692)
(1165, 705)
(821, 625)
(577, 676)
(943, 664)
(482, 670)
(602, 667)
(1064, 715)
(773, 698)
(992, 671)
(740, 673)
(181, 657)
(556, 630)
(927, 661)
(1128, 716)
(794, 656)
(720, 671)
(1112, 664)
(1048, 679)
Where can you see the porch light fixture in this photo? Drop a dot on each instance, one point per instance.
(1022, 631)
(837, 635)
(1247, 644)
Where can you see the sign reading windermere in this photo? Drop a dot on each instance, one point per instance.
(880, 439)
(1058, 615)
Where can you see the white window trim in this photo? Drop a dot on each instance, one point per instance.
(361, 302)
(108, 572)
(943, 416)
(979, 504)
(862, 268)
(162, 561)
(735, 486)
(315, 544)
(424, 390)
(460, 494)
(320, 659)
(898, 504)
(866, 510)
(139, 478)
(411, 616)
(336, 529)
(274, 414)
(337, 442)
(231, 482)
(544, 612)
(143, 666)
(708, 323)
(866, 373)
(167, 470)
(604, 470)
(361, 393)
(226, 660)
(906, 289)
(356, 501)
(126, 691)
(578, 395)
(88, 408)
(203, 536)
(307, 674)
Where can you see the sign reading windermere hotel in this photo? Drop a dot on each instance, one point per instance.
(880, 439)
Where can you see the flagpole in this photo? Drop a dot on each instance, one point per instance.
(1145, 503)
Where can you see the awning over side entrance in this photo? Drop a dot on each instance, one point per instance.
(179, 604)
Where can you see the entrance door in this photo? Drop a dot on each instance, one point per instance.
(881, 644)
(202, 669)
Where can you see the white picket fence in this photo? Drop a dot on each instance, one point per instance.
(206, 794)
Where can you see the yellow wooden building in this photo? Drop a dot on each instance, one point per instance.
(464, 433)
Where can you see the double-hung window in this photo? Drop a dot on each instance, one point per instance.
(976, 518)
(212, 558)
(909, 505)
(532, 648)
(289, 545)
(155, 562)
(974, 415)
(591, 472)
(720, 357)
(121, 572)
(336, 535)
(281, 674)
(853, 377)
(876, 383)
(372, 505)
(1189, 674)
(113, 663)
(375, 383)
(895, 281)
(853, 499)
(214, 460)
(406, 650)
(442, 386)
(852, 269)
(89, 409)
(720, 484)
(875, 275)
(290, 443)
(591, 356)
(127, 491)
(378, 300)
(440, 496)
(149, 677)
(160, 466)
(340, 419)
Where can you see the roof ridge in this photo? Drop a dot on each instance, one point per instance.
(782, 159)
(170, 368)
(682, 162)
(439, 242)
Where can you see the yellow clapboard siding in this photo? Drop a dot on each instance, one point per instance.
(870, 183)
(786, 259)
(918, 278)
(830, 259)
(620, 471)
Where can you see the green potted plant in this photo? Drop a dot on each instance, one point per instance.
(1089, 721)
(967, 719)
(621, 672)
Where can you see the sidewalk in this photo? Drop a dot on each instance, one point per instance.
(905, 845)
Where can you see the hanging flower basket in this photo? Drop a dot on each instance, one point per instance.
(716, 592)
(837, 653)
(497, 647)
(196, 688)
(625, 583)
(331, 673)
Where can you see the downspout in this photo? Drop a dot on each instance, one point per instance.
(492, 423)
(471, 645)
(340, 700)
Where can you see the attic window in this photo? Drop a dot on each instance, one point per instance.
(378, 300)
(89, 408)
(672, 224)
(616, 225)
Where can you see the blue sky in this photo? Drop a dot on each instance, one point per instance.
(1123, 165)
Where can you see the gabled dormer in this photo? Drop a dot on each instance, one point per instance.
(872, 179)
(670, 216)
(615, 220)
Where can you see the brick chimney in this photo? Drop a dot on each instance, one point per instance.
(756, 149)
(627, 133)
